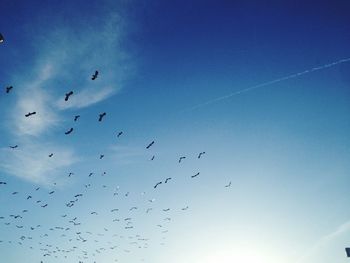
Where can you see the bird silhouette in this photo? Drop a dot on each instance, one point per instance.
(149, 145)
(166, 210)
(51, 192)
(68, 95)
(76, 117)
(182, 158)
(94, 76)
(51, 154)
(1, 38)
(185, 208)
(119, 134)
(101, 116)
(157, 185)
(3, 183)
(193, 176)
(14, 147)
(8, 89)
(69, 131)
(166, 180)
(44, 206)
(152, 158)
(30, 113)
(200, 154)
(229, 184)
(101, 156)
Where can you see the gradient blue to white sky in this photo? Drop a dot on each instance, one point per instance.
(285, 146)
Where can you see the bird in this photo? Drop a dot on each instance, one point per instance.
(69, 175)
(30, 113)
(51, 154)
(185, 208)
(68, 95)
(69, 131)
(8, 89)
(29, 197)
(14, 147)
(149, 145)
(157, 185)
(229, 184)
(182, 158)
(119, 134)
(166, 210)
(44, 206)
(200, 154)
(3, 183)
(101, 116)
(94, 76)
(90, 174)
(51, 192)
(347, 250)
(14, 193)
(76, 117)
(148, 209)
(101, 156)
(93, 213)
(193, 176)
(166, 180)
(2, 39)
(152, 158)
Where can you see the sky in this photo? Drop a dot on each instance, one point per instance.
(261, 88)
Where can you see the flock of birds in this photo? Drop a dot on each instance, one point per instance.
(75, 240)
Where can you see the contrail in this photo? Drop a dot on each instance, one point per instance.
(268, 83)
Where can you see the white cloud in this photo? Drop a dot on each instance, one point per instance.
(31, 161)
(85, 98)
(68, 55)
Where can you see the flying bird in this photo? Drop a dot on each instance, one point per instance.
(200, 154)
(193, 176)
(3, 183)
(182, 158)
(101, 116)
(76, 117)
(185, 208)
(44, 206)
(119, 134)
(68, 95)
(166, 210)
(157, 185)
(14, 147)
(51, 192)
(94, 76)
(149, 145)
(69, 131)
(30, 113)
(8, 89)
(1, 38)
(152, 158)
(101, 156)
(228, 184)
(51, 154)
(166, 180)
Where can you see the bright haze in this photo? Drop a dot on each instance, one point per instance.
(174, 131)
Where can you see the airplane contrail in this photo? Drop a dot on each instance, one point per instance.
(268, 83)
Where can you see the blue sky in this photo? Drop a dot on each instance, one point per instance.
(162, 66)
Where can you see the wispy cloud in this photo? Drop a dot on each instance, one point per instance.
(323, 241)
(67, 56)
(32, 163)
(86, 97)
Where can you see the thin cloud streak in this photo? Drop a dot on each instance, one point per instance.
(324, 241)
